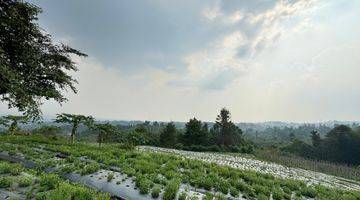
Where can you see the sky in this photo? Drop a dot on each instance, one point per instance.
(170, 60)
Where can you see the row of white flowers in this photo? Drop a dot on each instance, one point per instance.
(238, 162)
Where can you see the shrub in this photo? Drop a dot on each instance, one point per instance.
(278, 194)
(5, 168)
(155, 193)
(234, 192)
(69, 191)
(223, 186)
(49, 181)
(259, 189)
(5, 182)
(220, 197)
(67, 169)
(262, 197)
(144, 185)
(90, 168)
(182, 196)
(171, 189)
(308, 192)
(25, 182)
(110, 177)
(208, 196)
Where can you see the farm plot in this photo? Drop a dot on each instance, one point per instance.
(144, 174)
(309, 177)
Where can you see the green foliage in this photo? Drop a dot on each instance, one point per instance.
(171, 190)
(5, 167)
(49, 181)
(31, 66)
(110, 177)
(226, 132)
(24, 181)
(5, 182)
(339, 145)
(195, 133)
(168, 135)
(168, 171)
(12, 122)
(73, 192)
(182, 196)
(155, 193)
(278, 194)
(308, 192)
(75, 121)
(234, 192)
(144, 185)
(104, 130)
(90, 168)
(208, 196)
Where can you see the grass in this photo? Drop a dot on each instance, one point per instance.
(154, 171)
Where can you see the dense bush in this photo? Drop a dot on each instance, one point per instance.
(171, 190)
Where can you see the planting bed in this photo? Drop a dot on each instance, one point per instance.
(309, 177)
(148, 174)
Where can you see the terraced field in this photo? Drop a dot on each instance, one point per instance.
(59, 170)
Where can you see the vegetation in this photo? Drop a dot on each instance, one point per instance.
(75, 121)
(12, 121)
(339, 146)
(31, 66)
(153, 171)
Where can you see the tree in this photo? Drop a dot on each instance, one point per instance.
(227, 132)
(104, 131)
(75, 120)
(315, 138)
(168, 135)
(195, 132)
(31, 66)
(12, 122)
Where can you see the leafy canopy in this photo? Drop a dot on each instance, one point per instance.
(31, 66)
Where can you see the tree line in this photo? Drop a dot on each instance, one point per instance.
(339, 145)
(224, 135)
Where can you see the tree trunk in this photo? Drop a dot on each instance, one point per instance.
(73, 131)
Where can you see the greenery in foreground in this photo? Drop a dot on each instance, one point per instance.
(152, 171)
(41, 186)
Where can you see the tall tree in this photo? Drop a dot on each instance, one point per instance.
(12, 122)
(195, 132)
(315, 138)
(168, 135)
(31, 66)
(75, 121)
(104, 130)
(227, 132)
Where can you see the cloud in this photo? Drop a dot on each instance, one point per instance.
(249, 29)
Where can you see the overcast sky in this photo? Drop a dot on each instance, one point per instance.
(265, 60)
